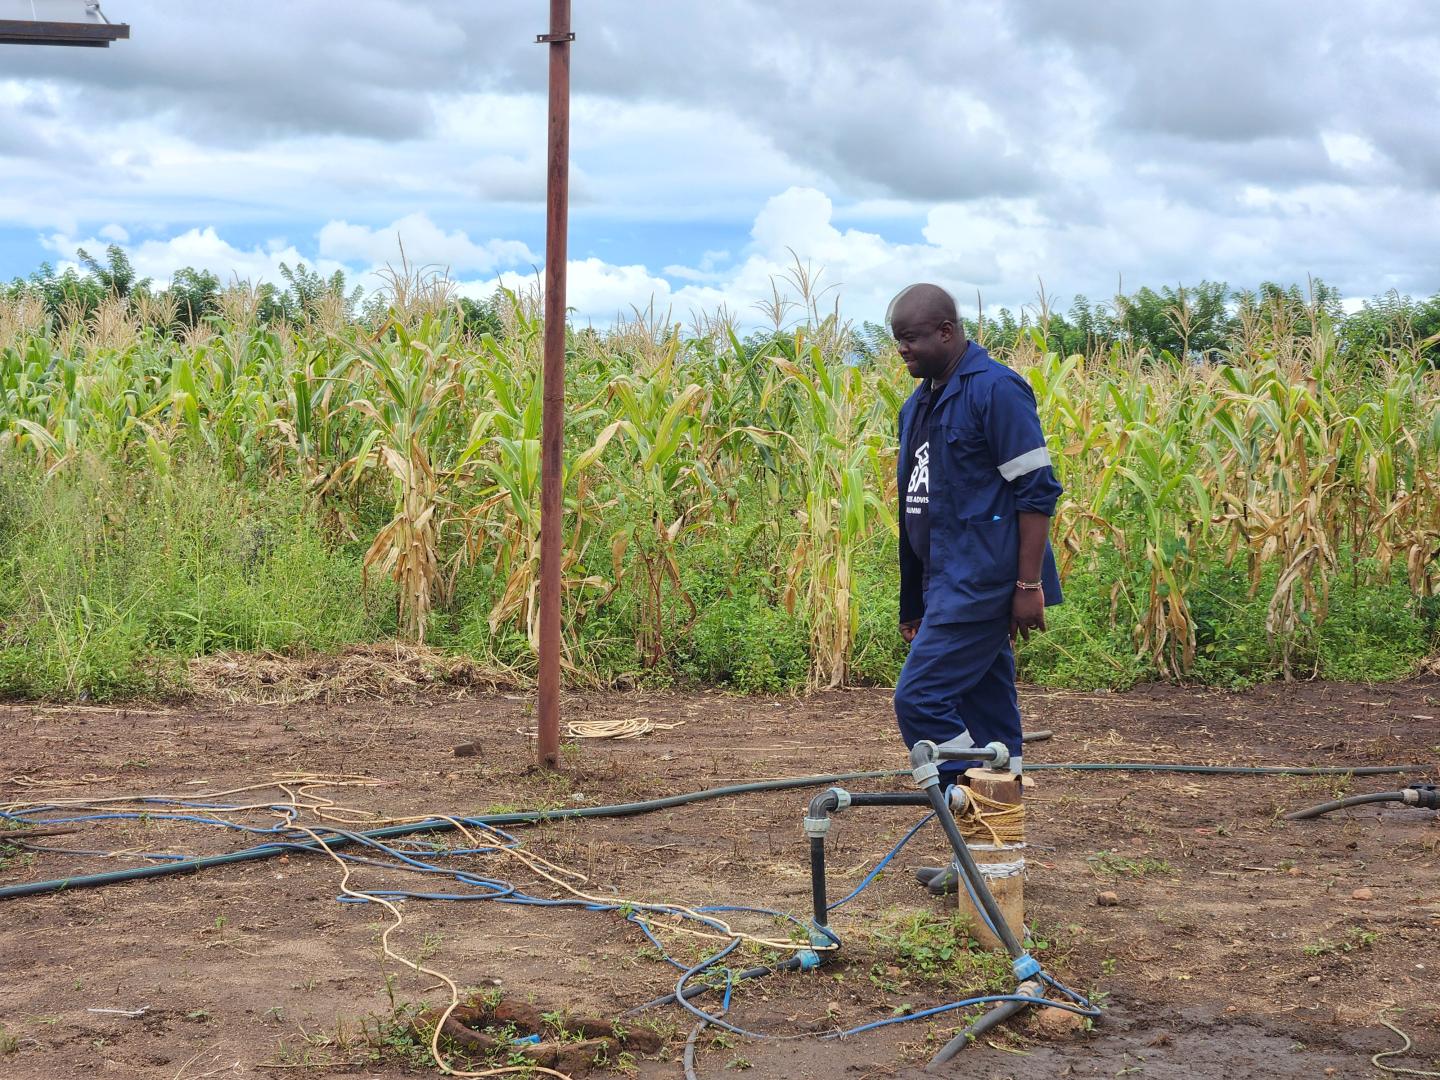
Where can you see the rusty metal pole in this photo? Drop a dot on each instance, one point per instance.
(552, 422)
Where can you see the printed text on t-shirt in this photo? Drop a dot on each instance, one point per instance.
(917, 493)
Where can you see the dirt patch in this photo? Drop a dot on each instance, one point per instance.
(388, 671)
(1235, 946)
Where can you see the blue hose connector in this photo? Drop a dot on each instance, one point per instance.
(809, 959)
(1025, 967)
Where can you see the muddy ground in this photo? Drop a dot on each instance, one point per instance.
(1242, 946)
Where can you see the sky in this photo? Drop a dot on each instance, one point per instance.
(993, 147)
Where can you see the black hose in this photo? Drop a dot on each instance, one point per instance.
(1227, 770)
(1341, 804)
(688, 1061)
(529, 817)
(526, 817)
(996, 1016)
(884, 798)
(817, 880)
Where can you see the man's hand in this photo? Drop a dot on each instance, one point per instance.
(908, 630)
(1027, 612)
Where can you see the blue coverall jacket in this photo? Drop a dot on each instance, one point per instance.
(988, 462)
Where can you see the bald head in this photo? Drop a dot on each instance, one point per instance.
(927, 330)
(921, 303)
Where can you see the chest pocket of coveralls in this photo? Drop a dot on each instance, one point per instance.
(989, 550)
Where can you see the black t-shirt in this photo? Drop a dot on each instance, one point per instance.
(916, 497)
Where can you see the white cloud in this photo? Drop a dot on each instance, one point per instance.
(202, 249)
(1348, 150)
(994, 251)
(1051, 145)
(424, 244)
(1001, 252)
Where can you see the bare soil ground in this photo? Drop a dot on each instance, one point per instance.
(1239, 946)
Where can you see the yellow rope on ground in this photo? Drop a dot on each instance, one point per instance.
(399, 920)
(79, 781)
(990, 821)
(302, 795)
(1375, 1060)
(306, 783)
(632, 728)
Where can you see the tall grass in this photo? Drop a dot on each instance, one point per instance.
(109, 578)
(272, 486)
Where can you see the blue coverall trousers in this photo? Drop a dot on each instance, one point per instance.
(957, 689)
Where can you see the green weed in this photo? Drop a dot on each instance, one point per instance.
(938, 949)
(1108, 862)
(1355, 938)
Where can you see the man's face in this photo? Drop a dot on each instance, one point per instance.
(926, 346)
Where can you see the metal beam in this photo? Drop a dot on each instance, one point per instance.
(84, 35)
(552, 421)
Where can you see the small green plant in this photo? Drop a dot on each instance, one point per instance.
(557, 1025)
(7, 853)
(396, 1036)
(664, 1028)
(1109, 862)
(939, 949)
(9, 1043)
(305, 1056)
(502, 808)
(1355, 938)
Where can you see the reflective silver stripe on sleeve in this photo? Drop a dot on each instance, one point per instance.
(963, 741)
(1025, 463)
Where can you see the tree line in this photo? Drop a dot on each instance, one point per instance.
(1190, 322)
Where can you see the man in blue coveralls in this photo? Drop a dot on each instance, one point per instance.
(976, 493)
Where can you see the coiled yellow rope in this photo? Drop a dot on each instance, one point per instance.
(990, 821)
(632, 728)
(1396, 1069)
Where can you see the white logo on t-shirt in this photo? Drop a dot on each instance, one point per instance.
(917, 493)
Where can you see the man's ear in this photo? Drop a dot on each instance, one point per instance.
(947, 331)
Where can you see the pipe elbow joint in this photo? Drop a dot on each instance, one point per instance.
(923, 758)
(829, 801)
(924, 752)
(817, 817)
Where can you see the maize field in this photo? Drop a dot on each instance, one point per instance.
(704, 472)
